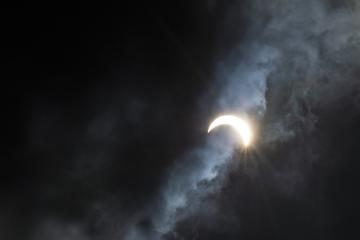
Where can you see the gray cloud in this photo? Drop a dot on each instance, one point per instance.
(297, 57)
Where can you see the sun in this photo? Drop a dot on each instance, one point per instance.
(241, 126)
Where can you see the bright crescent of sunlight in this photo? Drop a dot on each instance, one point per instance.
(240, 126)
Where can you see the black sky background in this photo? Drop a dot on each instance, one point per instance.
(99, 105)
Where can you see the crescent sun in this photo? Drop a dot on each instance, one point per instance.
(238, 124)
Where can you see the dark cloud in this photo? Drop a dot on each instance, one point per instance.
(106, 138)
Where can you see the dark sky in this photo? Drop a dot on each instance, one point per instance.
(106, 113)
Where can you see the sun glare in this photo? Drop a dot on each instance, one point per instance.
(240, 126)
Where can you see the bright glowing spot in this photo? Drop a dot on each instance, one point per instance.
(240, 125)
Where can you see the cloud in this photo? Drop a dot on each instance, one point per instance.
(294, 60)
(298, 58)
